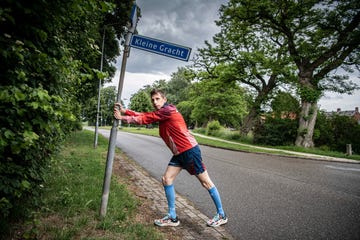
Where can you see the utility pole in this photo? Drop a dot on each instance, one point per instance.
(98, 103)
(113, 132)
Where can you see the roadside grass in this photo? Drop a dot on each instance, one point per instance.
(72, 198)
(239, 144)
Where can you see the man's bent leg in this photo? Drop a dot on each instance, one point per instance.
(220, 217)
(205, 180)
(209, 185)
(217, 200)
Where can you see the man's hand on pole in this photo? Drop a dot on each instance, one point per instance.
(118, 109)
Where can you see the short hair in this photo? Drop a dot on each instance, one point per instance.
(157, 91)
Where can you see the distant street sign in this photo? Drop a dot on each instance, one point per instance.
(160, 47)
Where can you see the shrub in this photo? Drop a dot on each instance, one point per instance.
(346, 131)
(35, 125)
(213, 128)
(276, 132)
(337, 131)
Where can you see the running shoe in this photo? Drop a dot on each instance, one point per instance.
(217, 220)
(167, 221)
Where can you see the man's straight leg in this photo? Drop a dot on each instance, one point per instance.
(168, 182)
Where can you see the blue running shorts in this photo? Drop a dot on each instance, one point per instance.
(190, 160)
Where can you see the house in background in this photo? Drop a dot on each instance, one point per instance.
(350, 113)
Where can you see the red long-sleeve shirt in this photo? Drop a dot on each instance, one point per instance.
(172, 127)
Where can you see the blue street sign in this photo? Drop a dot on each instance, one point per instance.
(160, 47)
(133, 17)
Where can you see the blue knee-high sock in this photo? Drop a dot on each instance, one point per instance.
(170, 196)
(217, 200)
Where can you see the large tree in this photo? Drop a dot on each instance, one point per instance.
(140, 101)
(217, 98)
(319, 36)
(255, 60)
(177, 87)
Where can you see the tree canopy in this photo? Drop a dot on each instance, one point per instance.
(287, 41)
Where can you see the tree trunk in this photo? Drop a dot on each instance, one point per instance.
(249, 122)
(307, 121)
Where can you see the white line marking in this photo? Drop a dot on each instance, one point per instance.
(342, 168)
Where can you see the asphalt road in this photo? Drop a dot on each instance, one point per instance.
(265, 196)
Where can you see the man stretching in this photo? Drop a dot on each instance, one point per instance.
(186, 154)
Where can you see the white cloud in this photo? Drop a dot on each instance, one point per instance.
(188, 23)
(134, 81)
(184, 22)
(333, 101)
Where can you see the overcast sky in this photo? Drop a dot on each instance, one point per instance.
(188, 23)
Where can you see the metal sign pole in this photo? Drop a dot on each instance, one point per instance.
(113, 132)
(98, 103)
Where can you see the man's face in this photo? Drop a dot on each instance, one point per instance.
(158, 101)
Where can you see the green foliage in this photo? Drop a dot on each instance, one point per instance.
(310, 95)
(186, 107)
(336, 131)
(214, 100)
(346, 131)
(69, 198)
(177, 87)
(213, 127)
(140, 101)
(200, 131)
(210, 99)
(276, 132)
(33, 124)
(47, 51)
(107, 100)
(323, 134)
(108, 97)
(284, 104)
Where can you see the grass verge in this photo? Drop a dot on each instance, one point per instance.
(72, 197)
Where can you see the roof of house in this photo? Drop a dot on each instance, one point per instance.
(349, 113)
